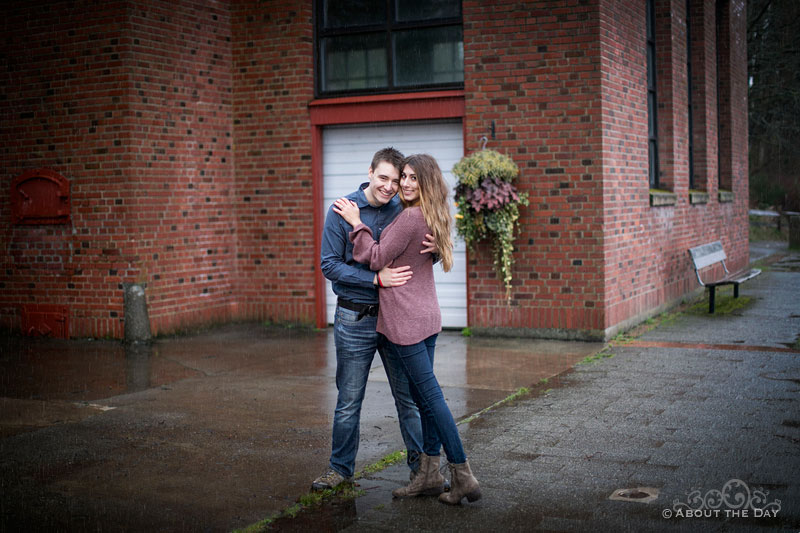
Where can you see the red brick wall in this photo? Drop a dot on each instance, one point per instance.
(704, 93)
(180, 183)
(274, 82)
(646, 264)
(646, 260)
(735, 232)
(593, 255)
(184, 131)
(534, 68)
(63, 107)
(132, 103)
(629, 265)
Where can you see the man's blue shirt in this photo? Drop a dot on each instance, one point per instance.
(351, 280)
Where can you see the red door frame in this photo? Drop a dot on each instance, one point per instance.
(363, 110)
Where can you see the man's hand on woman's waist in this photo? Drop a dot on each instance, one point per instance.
(393, 277)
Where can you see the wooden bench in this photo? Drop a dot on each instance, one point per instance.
(707, 255)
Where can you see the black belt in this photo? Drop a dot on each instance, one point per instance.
(362, 309)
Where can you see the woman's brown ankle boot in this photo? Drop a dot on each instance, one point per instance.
(462, 484)
(429, 481)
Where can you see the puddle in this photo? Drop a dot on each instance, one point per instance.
(637, 494)
(81, 370)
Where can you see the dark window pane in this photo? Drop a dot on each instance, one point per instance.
(350, 13)
(354, 62)
(651, 115)
(651, 20)
(653, 170)
(428, 56)
(425, 9)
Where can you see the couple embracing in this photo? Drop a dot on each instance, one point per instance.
(378, 252)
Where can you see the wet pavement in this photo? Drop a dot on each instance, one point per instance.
(692, 425)
(220, 429)
(211, 431)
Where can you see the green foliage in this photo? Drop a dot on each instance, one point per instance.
(766, 191)
(773, 100)
(466, 332)
(760, 233)
(485, 164)
(293, 511)
(488, 206)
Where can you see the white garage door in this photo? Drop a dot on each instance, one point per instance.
(347, 153)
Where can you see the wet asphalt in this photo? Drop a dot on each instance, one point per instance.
(689, 425)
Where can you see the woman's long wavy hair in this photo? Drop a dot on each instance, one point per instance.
(433, 192)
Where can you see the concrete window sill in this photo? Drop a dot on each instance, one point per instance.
(698, 197)
(725, 197)
(662, 198)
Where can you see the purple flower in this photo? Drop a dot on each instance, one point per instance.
(491, 194)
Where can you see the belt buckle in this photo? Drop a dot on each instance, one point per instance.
(368, 309)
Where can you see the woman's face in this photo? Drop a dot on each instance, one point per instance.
(409, 188)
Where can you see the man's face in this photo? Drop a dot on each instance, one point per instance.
(384, 181)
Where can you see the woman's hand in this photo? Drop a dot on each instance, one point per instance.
(348, 210)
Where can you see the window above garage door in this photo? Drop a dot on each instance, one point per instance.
(369, 46)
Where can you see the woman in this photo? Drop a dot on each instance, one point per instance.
(409, 318)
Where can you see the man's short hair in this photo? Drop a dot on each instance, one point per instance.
(390, 155)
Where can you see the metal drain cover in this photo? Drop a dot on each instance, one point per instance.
(637, 494)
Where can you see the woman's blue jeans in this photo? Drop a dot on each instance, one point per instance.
(438, 426)
(356, 342)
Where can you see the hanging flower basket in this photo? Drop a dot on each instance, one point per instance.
(488, 206)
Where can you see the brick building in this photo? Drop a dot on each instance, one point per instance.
(192, 146)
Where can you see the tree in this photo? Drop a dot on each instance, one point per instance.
(773, 49)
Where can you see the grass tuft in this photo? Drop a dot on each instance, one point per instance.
(605, 353)
(522, 391)
(307, 501)
(384, 462)
(726, 304)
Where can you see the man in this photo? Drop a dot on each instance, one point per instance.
(356, 288)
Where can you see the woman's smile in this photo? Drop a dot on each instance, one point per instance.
(409, 186)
